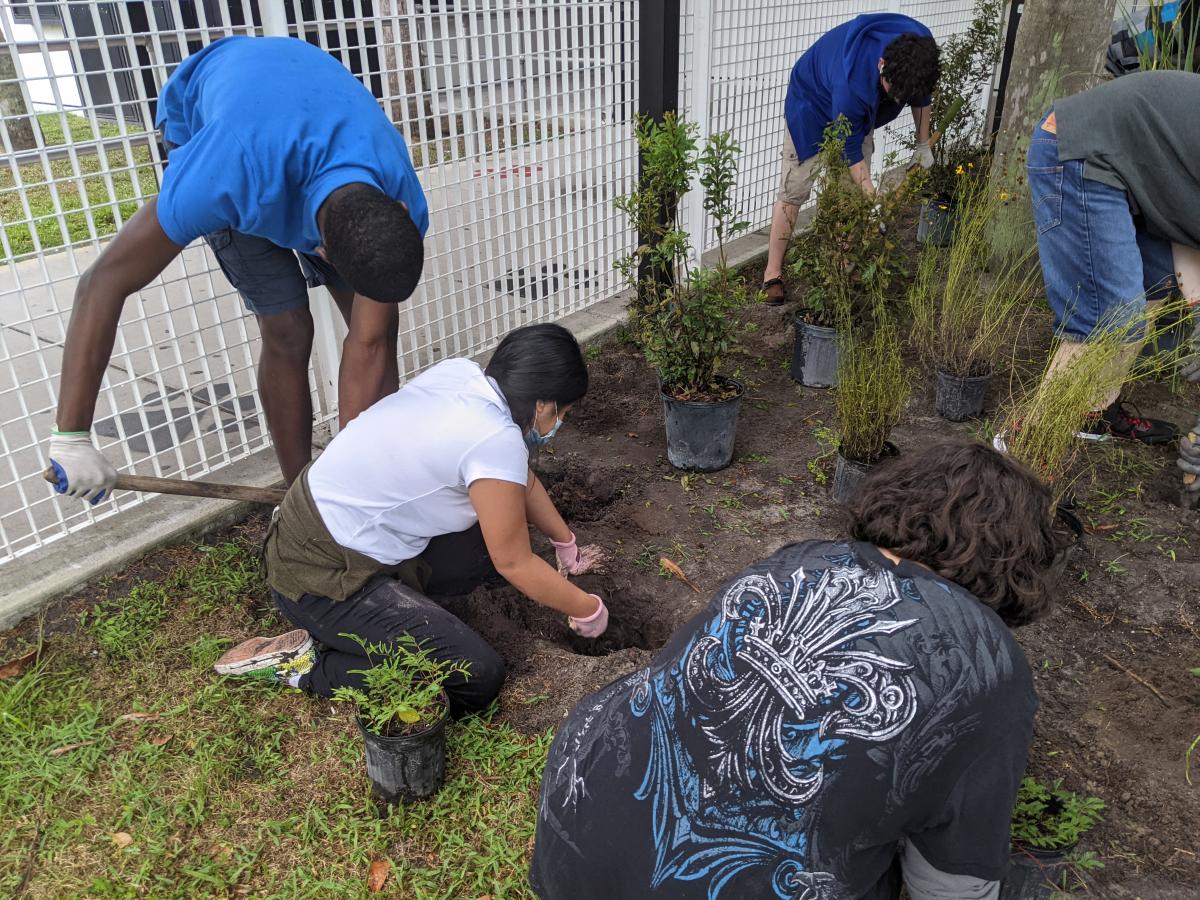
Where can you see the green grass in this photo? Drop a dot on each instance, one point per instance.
(223, 787)
(133, 177)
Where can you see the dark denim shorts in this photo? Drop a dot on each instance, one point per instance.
(271, 279)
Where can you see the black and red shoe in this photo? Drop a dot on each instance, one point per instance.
(1121, 420)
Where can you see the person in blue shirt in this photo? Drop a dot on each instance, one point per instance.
(867, 70)
(286, 165)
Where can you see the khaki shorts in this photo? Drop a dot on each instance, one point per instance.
(798, 175)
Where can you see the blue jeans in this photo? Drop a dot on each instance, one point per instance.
(1099, 266)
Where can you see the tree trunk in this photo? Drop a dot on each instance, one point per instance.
(1060, 50)
(12, 103)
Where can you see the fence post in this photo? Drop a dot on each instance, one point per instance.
(658, 85)
(700, 109)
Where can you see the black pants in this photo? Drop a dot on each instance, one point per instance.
(385, 609)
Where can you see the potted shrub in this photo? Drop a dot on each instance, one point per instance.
(965, 312)
(685, 316)
(1047, 823)
(968, 63)
(873, 387)
(402, 713)
(849, 255)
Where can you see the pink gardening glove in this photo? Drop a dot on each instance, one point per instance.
(593, 626)
(572, 560)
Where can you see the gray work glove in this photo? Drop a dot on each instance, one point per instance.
(1189, 459)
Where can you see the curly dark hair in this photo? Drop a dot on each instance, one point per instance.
(911, 66)
(971, 514)
(373, 243)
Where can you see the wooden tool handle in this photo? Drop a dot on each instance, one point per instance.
(209, 489)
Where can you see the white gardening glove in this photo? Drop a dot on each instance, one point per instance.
(922, 156)
(1189, 459)
(593, 626)
(81, 469)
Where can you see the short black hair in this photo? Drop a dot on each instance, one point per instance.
(971, 514)
(373, 243)
(911, 66)
(538, 362)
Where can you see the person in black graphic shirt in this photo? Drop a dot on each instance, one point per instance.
(843, 716)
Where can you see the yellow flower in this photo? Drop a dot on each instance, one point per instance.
(960, 171)
(970, 165)
(1003, 196)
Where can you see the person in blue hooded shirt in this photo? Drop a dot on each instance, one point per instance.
(286, 165)
(867, 70)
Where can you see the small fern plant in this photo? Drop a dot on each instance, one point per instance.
(402, 688)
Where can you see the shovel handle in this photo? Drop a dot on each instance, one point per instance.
(212, 490)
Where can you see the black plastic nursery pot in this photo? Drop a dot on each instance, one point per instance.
(406, 767)
(701, 433)
(936, 224)
(1033, 874)
(849, 474)
(814, 355)
(959, 398)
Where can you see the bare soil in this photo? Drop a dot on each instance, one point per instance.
(1127, 619)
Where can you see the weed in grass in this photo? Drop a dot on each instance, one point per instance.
(593, 352)
(125, 626)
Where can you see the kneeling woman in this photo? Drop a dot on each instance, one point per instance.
(844, 714)
(428, 492)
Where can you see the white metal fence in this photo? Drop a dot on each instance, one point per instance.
(518, 113)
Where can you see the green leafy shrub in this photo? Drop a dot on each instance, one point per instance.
(968, 62)
(850, 254)
(684, 316)
(1049, 817)
(402, 690)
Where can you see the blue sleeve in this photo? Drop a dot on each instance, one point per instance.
(201, 190)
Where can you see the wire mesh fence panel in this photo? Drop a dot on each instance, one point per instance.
(79, 82)
(518, 119)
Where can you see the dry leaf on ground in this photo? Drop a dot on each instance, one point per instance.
(121, 838)
(15, 667)
(161, 739)
(677, 572)
(380, 869)
(137, 717)
(59, 751)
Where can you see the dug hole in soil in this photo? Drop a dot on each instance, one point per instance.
(1129, 592)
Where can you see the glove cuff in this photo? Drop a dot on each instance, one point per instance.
(563, 545)
(86, 434)
(594, 616)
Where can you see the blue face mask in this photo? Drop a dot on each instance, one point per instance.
(534, 439)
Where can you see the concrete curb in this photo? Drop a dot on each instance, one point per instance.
(30, 582)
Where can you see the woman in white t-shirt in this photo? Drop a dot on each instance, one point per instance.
(428, 492)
